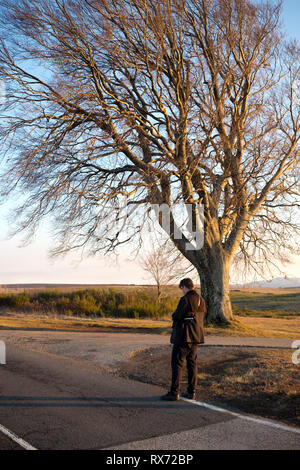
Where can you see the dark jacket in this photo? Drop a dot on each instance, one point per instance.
(188, 319)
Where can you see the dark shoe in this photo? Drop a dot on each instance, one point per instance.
(170, 396)
(190, 396)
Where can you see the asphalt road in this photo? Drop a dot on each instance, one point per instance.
(54, 402)
(106, 349)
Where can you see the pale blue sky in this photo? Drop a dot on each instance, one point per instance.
(291, 17)
(30, 264)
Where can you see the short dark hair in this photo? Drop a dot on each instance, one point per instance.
(187, 282)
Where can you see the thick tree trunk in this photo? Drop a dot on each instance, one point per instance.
(214, 278)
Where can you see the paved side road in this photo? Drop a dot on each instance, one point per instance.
(54, 402)
(106, 349)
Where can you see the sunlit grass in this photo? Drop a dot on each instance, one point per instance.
(253, 327)
(55, 322)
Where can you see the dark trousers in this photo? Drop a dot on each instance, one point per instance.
(181, 353)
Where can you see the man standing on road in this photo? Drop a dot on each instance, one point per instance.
(187, 333)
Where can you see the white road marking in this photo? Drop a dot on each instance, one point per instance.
(248, 418)
(15, 438)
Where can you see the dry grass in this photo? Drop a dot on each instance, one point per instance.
(273, 327)
(259, 328)
(61, 322)
(243, 326)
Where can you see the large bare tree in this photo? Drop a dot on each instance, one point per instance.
(154, 102)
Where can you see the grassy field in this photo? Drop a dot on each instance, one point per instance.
(259, 313)
(254, 327)
(277, 304)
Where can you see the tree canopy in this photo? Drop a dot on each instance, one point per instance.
(155, 102)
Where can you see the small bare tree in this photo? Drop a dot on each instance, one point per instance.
(164, 266)
(155, 102)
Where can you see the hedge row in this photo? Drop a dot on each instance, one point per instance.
(92, 302)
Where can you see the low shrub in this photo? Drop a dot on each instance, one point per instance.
(93, 302)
